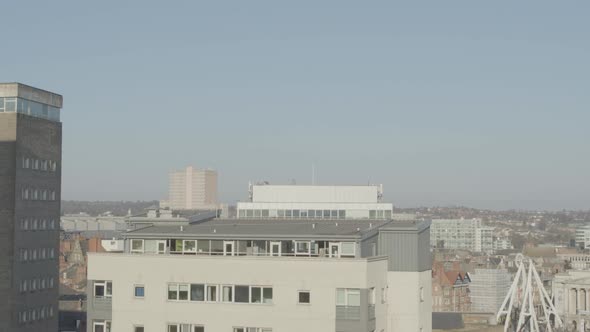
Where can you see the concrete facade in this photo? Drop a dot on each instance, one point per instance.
(30, 191)
(571, 293)
(192, 189)
(467, 234)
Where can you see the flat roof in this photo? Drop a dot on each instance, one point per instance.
(275, 229)
(252, 228)
(24, 91)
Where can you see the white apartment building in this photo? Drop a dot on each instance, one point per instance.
(315, 202)
(467, 234)
(265, 276)
(502, 243)
(583, 237)
(192, 189)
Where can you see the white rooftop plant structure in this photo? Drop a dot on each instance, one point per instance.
(527, 306)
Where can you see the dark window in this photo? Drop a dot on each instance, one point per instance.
(197, 292)
(304, 297)
(139, 292)
(242, 294)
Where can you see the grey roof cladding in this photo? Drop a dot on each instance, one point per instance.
(287, 228)
(252, 229)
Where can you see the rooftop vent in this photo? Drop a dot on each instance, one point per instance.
(182, 228)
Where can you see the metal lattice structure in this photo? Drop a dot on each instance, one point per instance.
(527, 306)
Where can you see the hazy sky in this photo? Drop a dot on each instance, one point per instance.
(479, 103)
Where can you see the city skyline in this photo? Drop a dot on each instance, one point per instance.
(482, 105)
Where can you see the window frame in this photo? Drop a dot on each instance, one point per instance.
(307, 243)
(299, 292)
(347, 292)
(105, 285)
(135, 287)
(138, 251)
(345, 244)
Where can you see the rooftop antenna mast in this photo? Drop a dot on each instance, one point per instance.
(527, 306)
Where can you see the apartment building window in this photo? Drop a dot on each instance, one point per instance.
(103, 289)
(211, 293)
(252, 329)
(178, 292)
(349, 297)
(227, 293)
(260, 295)
(138, 328)
(185, 328)
(137, 246)
(102, 326)
(303, 247)
(24, 255)
(241, 294)
(198, 292)
(139, 291)
(304, 297)
(347, 249)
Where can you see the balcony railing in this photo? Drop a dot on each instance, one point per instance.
(102, 303)
(348, 312)
(321, 254)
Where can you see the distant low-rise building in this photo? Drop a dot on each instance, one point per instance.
(450, 288)
(315, 202)
(502, 243)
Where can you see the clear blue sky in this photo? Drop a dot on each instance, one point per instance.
(479, 103)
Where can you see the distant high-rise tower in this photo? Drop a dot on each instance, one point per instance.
(30, 191)
(192, 189)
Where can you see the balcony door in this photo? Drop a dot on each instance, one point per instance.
(334, 249)
(275, 248)
(228, 248)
